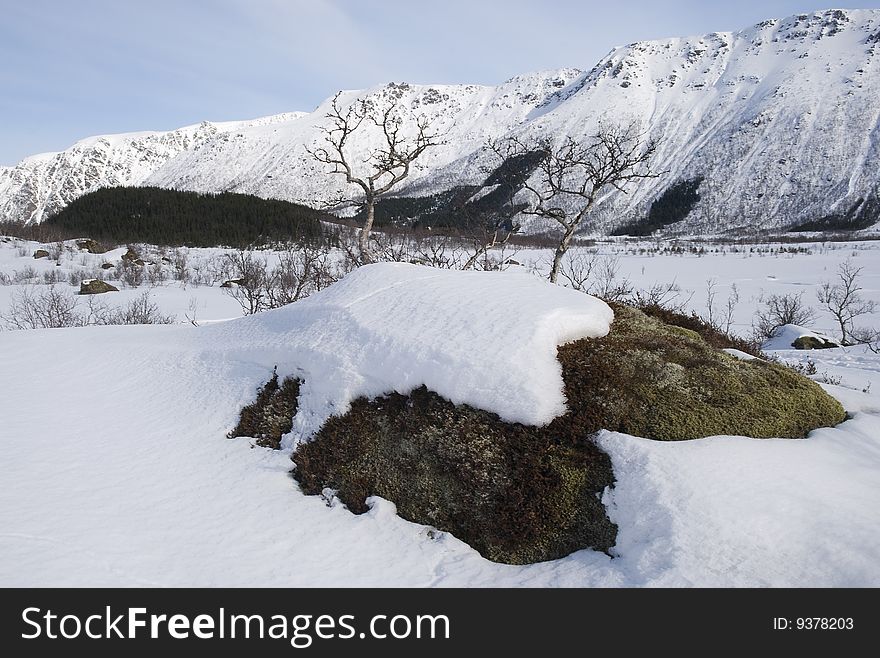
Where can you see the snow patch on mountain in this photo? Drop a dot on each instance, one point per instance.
(779, 119)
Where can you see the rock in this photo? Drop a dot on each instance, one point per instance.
(95, 287)
(812, 343)
(107, 266)
(232, 283)
(91, 246)
(523, 494)
(41, 253)
(663, 382)
(132, 256)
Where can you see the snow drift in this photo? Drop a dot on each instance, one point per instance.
(487, 339)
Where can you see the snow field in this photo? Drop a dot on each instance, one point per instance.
(116, 471)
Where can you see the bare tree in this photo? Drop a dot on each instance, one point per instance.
(844, 300)
(386, 166)
(571, 176)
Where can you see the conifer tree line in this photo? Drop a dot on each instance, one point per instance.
(120, 215)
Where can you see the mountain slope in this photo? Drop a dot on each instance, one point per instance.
(780, 121)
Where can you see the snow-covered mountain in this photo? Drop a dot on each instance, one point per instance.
(780, 121)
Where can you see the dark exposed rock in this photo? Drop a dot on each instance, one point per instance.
(40, 253)
(132, 256)
(91, 246)
(812, 343)
(231, 283)
(270, 416)
(95, 287)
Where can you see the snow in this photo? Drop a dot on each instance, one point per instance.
(487, 339)
(117, 472)
(784, 337)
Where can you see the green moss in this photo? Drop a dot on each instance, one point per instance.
(658, 381)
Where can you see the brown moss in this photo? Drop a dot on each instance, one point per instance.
(270, 416)
(513, 492)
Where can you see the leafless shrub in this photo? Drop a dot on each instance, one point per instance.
(53, 276)
(54, 308)
(25, 275)
(180, 266)
(608, 283)
(299, 273)
(49, 308)
(76, 277)
(577, 270)
(779, 310)
(669, 296)
(155, 274)
(249, 278)
(720, 318)
(130, 273)
(140, 310)
(56, 251)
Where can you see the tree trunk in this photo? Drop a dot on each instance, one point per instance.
(560, 252)
(363, 240)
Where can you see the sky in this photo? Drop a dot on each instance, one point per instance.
(69, 70)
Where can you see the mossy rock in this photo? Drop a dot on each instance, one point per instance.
(91, 246)
(270, 416)
(132, 256)
(658, 381)
(40, 253)
(96, 287)
(522, 494)
(515, 493)
(812, 343)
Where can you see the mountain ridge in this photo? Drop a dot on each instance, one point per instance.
(779, 121)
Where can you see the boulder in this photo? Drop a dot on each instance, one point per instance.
(522, 494)
(107, 266)
(132, 256)
(41, 253)
(812, 343)
(95, 287)
(91, 246)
